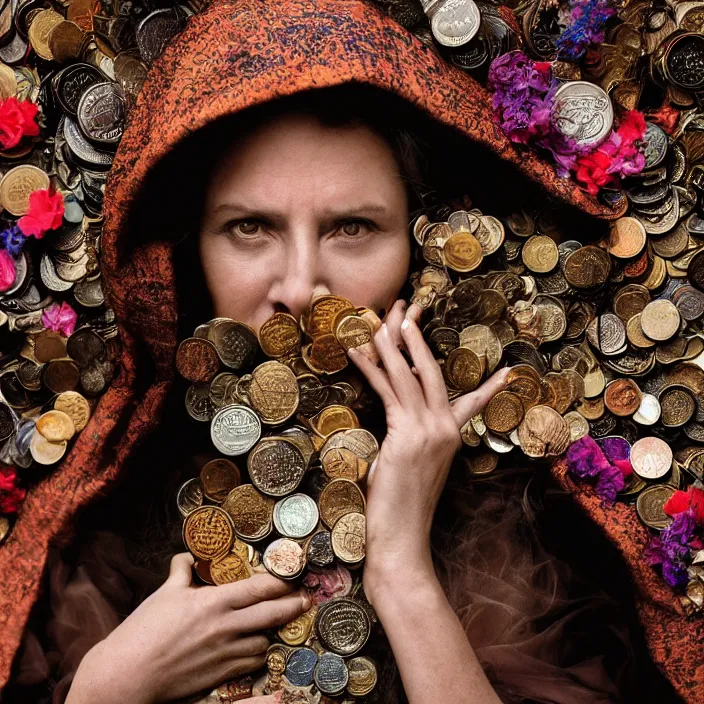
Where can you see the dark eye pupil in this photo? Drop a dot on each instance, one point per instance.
(351, 228)
(248, 227)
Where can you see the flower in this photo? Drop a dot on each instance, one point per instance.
(609, 482)
(665, 117)
(586, 459)
(7, 270)
(60, 318)
(46, 211)
(681, 501)
(12, 240)
(11, 496)
(17, 119)
(584, 27)
(670, 548)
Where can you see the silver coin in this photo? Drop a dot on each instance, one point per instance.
(50, 278)
(81, 148)
(583, 112)
(649, 411)
(198, 402)
(300, 667)
(101, 113)
(343, 626)
(655, 143)
(89, 292)
(190, 496)
(331, 674)
(296, 516)
(235, 430)
(455, 22)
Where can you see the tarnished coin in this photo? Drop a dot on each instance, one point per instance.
(236, 343)
(331, 675)
(362, 676)
(689, 302)
(607, 334)
(295, 516)
(587, 267)
(7, 421)
(250, 511)
(650, 503)
(455, 22)
(660, 320)
(540, 254)
(319, 549)
(276, 466)
(279, 335)
(189, 497)
(340, 496)
(300, 666)
(298, 631)
(218, 478)
(627, 238)
(45, 452)
(578, 425)
(197, 359)
(504, 412)
(582, 112)
(208, 532)
(343, 626)
(543, 432)
(463, 369)
(695, 270)
(622, 397)
(348, 538)
(651, 458)
(678, 406)
(18, 184)
(462, 252)
(273, 392)
(101, 113)
(231, 567)
(284, 558)
(55, 426)
(199, 405)
(235, 429)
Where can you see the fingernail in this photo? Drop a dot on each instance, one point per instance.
(352, 351)
(405, 324)
(385, 329)
(306, 600)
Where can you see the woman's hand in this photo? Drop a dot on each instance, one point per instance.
(423, 436)
(185, 639)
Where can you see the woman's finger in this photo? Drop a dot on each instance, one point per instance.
(414, 313)
(393, 321)
(468, 405)
(180, 570)
(242, 666)
(377, 378)
(258, 588)
(405, 385)
(427, 369)
(268, 614)
(249, 645)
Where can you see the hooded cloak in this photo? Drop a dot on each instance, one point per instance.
(234, 55)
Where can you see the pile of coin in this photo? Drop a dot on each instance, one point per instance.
(282, 403)
(604, 339)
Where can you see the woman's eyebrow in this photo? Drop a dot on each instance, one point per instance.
(363, 209)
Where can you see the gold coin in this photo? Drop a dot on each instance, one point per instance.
(208, 533)
(524, 381)
(627, 238)
(55, 426)
(273, 392)
(40, 30)
(45, 452)
(587, 267)
(333, 418)
(75, 406)
(338, 497)
(279, 335)
(353, 331)
(630, 300)
(340, 462)
(18, 184)
(462, 252)
(218, 478)
(657, 274)
(543, 432)
(540, 254)
(650, 503)
(325, 355)
(362, 676)
(319, 319)
(229, 568)
(348, 538)
(591, 408)
(483, 341)
(483, 463)
(298, 631)
(8, 82)
(677, 406)
(504, 412)
(660, 320)
(635, 334)
(463, 370)
(250, 511)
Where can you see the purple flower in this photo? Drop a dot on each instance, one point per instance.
(609, 482)
(12, 240)
(670, 548)
(508, 69)
(585, 27)
(585, 458)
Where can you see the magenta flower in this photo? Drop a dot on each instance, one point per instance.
(60, 318)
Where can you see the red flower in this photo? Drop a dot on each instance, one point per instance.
(11, 496)
(592, 171)
(682, 500)
(666, 117)
(632, 127)
(17, 119)
(46, 212)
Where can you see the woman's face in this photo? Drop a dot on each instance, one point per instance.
(297, 208)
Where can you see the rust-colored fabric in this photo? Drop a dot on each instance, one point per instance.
(234, 55)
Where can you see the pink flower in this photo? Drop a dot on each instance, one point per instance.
(11, 496)
(60, 318)
(7, 270)
(17, 119)
(46, 212)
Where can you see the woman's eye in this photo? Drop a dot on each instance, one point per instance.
(246, 227)
(353, 228)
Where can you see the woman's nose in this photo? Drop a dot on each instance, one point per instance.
(293, 289)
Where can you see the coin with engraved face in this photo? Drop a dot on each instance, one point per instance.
(455, 22)
(582, 112)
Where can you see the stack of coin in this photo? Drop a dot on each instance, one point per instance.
(281, 410)
(604, 339)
